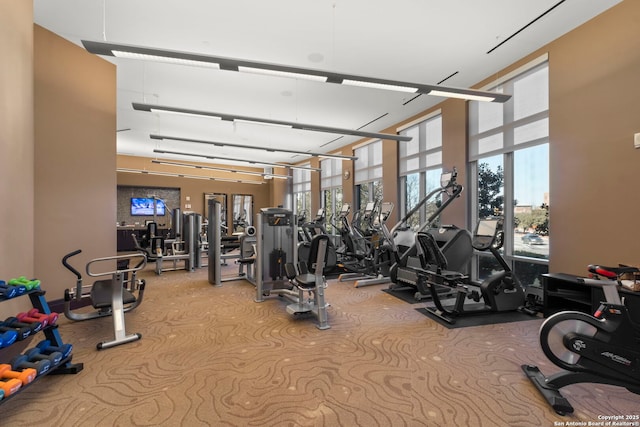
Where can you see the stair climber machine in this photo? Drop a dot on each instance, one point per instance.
(603, 348)
(372, 255)
(306, 231)
(455, 243)
(500, 292)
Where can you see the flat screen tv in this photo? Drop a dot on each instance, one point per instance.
(143, 206)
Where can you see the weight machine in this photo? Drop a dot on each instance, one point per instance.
(183, 246)
(246, 257)
(276, 261)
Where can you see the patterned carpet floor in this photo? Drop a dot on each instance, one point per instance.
(211, 356)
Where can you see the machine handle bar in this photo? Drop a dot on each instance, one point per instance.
(138, 266)
(68, 266)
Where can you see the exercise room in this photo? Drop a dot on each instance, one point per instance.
(320, 213)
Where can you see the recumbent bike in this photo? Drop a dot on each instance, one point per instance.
(500, 292)
(602, 348)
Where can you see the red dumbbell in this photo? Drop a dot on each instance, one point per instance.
(34, 315)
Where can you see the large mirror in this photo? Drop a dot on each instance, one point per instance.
(222, 198)
(242, 212)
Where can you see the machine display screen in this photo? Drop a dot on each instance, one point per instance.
(487, 228)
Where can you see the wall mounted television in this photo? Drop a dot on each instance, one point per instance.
(143, 206)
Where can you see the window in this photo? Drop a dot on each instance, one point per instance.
(509, 158)
(331, 186)
(368, 173)
(420, 167)
(302, 190)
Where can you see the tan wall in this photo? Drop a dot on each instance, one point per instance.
(595, 111)
(75, 158)
(16, 139)
(16, 147)
(454, 155)
(265, 195)
(390, 177)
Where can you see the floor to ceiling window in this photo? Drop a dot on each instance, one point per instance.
(420, 167)
(368, 174)
(509, 170)
(331, 186)
(302, 191)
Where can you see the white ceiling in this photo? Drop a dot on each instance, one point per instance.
(420, 41)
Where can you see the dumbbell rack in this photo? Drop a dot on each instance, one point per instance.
(52, 334)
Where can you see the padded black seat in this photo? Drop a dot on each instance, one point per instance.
(432, 258)
(101, 293)
(307, 279)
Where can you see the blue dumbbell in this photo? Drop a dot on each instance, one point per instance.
(8, 291)
(7, 338)
(21, 361)
(46, 348)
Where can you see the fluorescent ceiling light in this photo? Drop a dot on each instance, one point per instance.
(232, 117)
(182, 113)
(232, 64)
(273, 150)
(233, 159)
(254, 122)
(215, 168)
(179, 175)
(462, 96)
(375, 85)
(288, 74)
(167, 59)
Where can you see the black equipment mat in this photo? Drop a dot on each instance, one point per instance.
(406, 294)
(479, 319)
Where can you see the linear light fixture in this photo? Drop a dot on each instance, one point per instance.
(271, 150)
(231, 117)
(215, 168)
(180, 175)
(231, 64)
(233, 159)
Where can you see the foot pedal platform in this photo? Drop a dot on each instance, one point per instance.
(549, 391)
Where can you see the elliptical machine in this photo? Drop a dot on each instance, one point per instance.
(602, 348)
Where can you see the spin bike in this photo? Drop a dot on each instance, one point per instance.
(603, 348)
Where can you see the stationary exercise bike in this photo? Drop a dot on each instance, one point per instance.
(603, 348)
(500, 292)
(121, 293)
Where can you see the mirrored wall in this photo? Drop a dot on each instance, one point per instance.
(242, 212)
